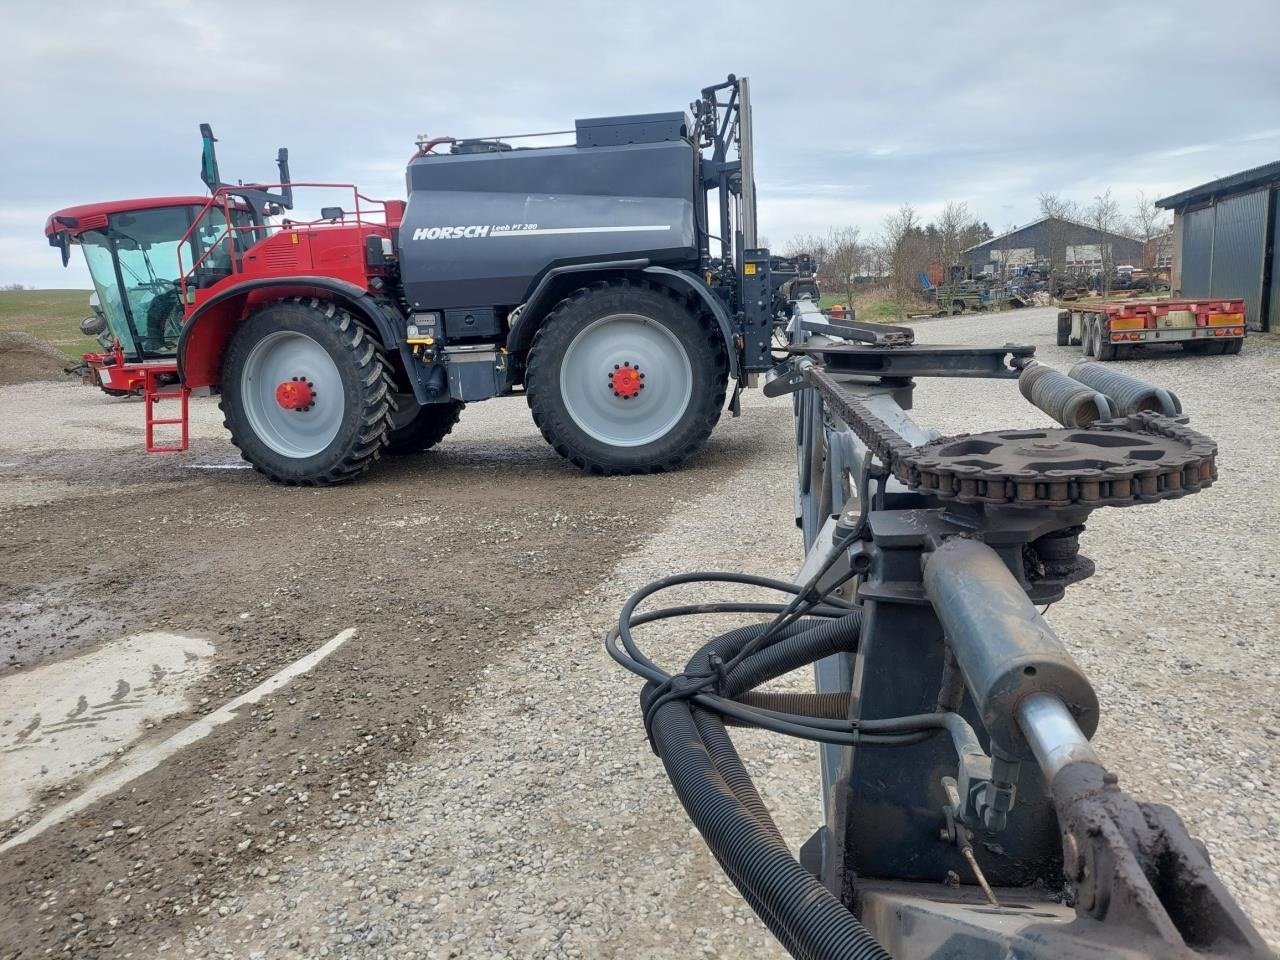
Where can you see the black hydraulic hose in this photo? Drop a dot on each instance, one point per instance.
(738, 783)
(796, 907)
(818, 641)
(827, 706)
(660, 690)
(792, 648)
(722, 752)
(686, 717)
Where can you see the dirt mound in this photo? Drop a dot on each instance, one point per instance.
(24, 358)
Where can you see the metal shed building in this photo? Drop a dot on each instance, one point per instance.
(1226, 242)
(1080, 243)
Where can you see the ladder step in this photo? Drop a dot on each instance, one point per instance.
(154, 394)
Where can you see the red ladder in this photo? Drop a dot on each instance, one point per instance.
(153, 393)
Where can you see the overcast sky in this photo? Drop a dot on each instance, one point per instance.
(859, 107)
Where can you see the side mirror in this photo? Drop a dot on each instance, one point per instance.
(209, 158)
(62, 240)
(331, 213)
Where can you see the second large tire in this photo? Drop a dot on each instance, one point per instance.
(316, 350)
(599, 415)
(417, 428)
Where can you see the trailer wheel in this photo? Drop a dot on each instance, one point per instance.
(1234, 346)
(1064, 328)
(415, 427)
(625, 378)
(1086, 335)
(1103, 348)
(306, 393)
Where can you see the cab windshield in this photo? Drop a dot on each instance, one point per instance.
(135, 270)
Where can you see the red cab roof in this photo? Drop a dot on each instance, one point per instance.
(93, 216)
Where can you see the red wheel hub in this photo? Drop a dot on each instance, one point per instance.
(627, 381)
(295, 394)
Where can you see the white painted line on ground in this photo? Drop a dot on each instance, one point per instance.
(69, 718)
(217, 466)
(148, 758)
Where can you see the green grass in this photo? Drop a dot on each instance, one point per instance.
(872, 307)
(52, 315)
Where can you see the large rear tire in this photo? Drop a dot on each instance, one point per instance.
(626, 378)
(306, 393)
(418, 428)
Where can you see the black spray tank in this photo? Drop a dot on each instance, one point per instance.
(484, 223)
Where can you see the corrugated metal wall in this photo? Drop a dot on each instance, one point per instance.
(1239, 244)
(1273, 315)
(1197, 252)
(1223, 249)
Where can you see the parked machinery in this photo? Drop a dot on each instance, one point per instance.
(1114, 329)
(589, 276)
(967, 814)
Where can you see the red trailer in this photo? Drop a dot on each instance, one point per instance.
(1112, 329)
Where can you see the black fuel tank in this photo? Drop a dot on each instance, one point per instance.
(481, 227)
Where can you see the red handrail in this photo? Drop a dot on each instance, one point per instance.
(224, 198)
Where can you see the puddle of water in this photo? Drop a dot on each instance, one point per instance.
(50, 622)
(63, 719)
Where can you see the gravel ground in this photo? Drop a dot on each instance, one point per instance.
(520, 813)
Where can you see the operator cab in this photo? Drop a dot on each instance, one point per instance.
(140, 252)
(137, 251)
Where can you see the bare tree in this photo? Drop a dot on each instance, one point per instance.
(953, 223)
(1060, 214)
(875, 260)
(1104, 217)
(974, 233)
(902, 240)
(1152, 226)
(811, 243)
(1006, 249)
(844, 259)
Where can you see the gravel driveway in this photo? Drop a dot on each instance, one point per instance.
(479, 785)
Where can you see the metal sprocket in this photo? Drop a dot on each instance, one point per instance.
(1138, 459)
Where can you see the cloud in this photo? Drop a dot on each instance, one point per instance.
(858, 108)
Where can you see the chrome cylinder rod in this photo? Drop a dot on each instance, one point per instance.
(1055, 738)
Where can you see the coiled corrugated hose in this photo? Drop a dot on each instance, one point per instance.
(1129, 394)
(1068, 401)
(717, 792)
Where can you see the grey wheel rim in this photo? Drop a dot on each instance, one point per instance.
(288, 357)
(639, 414)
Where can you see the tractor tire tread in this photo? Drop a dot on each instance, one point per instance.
(542, 357)
(374, 381)
(431, 425)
